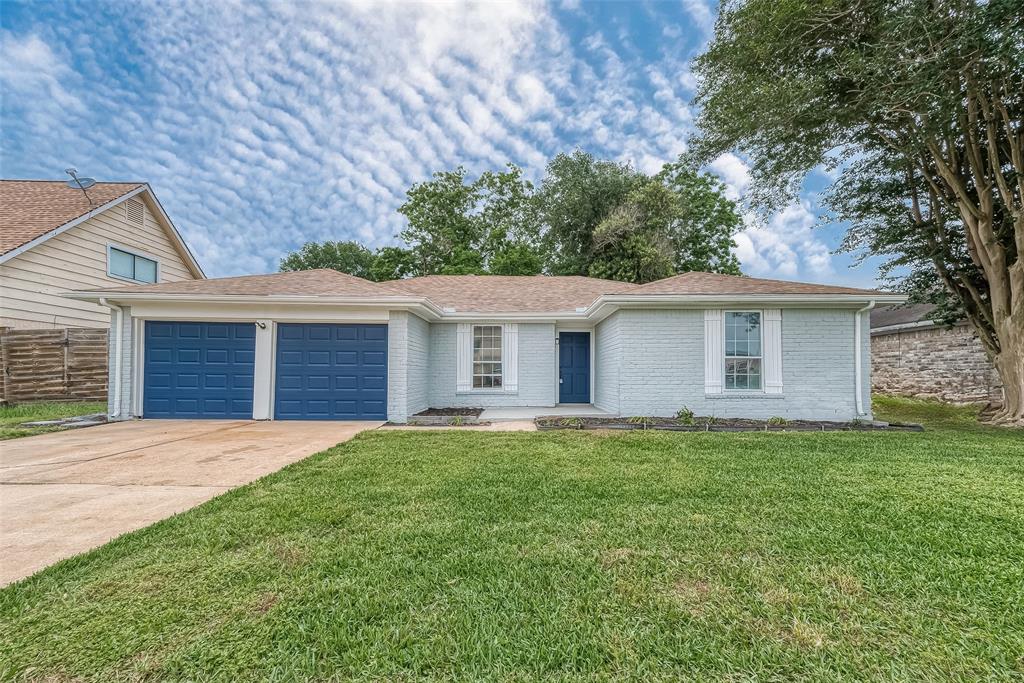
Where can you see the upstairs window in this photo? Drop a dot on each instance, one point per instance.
(487, 356)
(743, 351)
(124, 264)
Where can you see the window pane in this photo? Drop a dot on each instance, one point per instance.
(122, 264)
(145, 269)
(486, 356)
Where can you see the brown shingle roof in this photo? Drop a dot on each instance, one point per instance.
(715, 283)
(322, 282)
(511, 293)
(32, 208)
(480, 293)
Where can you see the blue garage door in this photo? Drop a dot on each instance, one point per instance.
(199, 370)
(331, 372)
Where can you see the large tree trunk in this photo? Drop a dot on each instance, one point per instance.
(1009, 362)
(968, 171)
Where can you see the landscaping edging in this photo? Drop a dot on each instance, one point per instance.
(551, 423)
(447, 417)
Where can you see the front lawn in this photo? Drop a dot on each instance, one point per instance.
(564, 555)
(12, 416)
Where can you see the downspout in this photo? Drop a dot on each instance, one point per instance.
(858, 352)
(117, 341)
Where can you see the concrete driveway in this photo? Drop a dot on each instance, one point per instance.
(66, 492)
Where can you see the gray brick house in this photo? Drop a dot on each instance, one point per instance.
(325, 345)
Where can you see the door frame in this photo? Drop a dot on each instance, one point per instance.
(593, 343)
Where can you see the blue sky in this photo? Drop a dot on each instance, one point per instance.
(262, 126)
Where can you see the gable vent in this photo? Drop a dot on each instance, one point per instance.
(133, 210)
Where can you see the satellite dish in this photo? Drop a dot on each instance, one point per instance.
(81, 183)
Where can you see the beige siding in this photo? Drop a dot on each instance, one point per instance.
(33, 281)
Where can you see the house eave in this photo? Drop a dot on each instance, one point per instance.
(419, 305)
(601, 308)
(607, 304)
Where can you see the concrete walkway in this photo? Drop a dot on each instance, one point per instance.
(529, 412)
(66, 492)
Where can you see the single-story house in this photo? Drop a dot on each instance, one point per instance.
(324, 345)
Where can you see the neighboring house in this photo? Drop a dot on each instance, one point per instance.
(914, 356)
(55, 239)
(324, 345)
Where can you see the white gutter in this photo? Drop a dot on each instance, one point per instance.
(858, 353)
(118, 347)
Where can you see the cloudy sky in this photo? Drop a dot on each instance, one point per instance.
(262, 126)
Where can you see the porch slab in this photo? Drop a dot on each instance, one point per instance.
(531, 412)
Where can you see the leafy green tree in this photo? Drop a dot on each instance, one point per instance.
(392, 263)
(918, 105)
(347, 257)
(577, 193)
(678, 221)
(460, 227)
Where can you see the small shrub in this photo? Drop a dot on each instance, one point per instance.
(684, 416)
(642, 420)
(456, 421)
(777, 421)
(572, 422)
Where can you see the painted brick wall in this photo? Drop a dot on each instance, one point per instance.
(662, 366)
(398, 366)
(607, 360)
(943, 363)
(418, 362)
(536, 370)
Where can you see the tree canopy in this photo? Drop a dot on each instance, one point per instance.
(919, 107)
(588, 216)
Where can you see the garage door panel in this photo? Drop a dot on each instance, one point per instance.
(198, 370)
(323, 373)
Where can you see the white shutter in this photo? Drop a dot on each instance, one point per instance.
(510, 356)
(771, 329)
(464, 357)
(714, 352)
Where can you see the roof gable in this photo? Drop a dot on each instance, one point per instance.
(31, 208)
(33, 211)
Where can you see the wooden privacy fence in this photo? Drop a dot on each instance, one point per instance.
(53, 365)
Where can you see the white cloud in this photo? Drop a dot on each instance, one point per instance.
(700, 13)
(785, 246)
(263, 126)
(734, 172)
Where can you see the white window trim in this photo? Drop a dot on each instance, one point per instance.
(473, 362)
(509, 359)
(133, 252)
(725, 356)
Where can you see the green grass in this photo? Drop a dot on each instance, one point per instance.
(12, 416)
(569, 556)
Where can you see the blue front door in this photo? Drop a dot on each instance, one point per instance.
(574, 367)
(198, 370)
(331, 372)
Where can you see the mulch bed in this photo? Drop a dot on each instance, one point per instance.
(450, 412)
(704, 424)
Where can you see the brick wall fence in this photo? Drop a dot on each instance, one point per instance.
(933, 362)
(53, 365)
